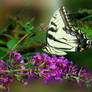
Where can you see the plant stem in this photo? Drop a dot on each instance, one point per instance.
(16, 70)
(19, 41)
(17, 44)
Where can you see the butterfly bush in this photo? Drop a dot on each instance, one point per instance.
(41, 66)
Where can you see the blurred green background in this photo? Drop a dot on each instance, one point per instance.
(16, 19)
(78, 4)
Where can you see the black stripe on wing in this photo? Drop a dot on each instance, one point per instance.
(54, 39)
(54, 17)
(52, 23)
(52, 29)
(60, 48)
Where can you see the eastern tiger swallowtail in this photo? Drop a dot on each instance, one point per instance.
(62, 37)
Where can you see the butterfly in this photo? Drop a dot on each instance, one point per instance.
(61, 37)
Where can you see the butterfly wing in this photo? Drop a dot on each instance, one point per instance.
(53, 51)
(60, 38)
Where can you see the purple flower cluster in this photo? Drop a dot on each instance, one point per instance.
(5, 78)
(53, 68)
(43, 67)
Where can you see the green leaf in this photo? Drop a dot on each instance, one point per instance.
(3, 49)
(21, 24)
(11, 44)
(22, 32)
(2, 42)
(26, 27)
(86, 18)
(9, 36)
(40, 37)
(86, 30)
